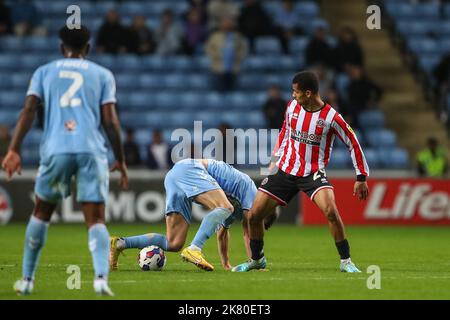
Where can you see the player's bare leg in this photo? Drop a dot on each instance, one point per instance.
(221, 208)
(35, 237)
(326, 202)
(94, 215)
(263, 207)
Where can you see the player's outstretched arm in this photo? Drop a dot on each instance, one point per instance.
(12, 161)
(223, 238)
(111, 124)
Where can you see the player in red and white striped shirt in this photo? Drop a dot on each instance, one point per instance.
(303, 151)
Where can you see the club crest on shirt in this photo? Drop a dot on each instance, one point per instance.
(70, 125)
(321, 123)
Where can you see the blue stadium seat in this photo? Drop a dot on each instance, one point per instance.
(41, 44)
(420, 45)
(401, 10)
(429, 62)
(447, 10)
(371, 119)
(256, 63)
(30, 156)
(181, 63)
(5, 82)
(198, 81)
(395, 158)
(190, 100)
(309, 9)
(165, 100)
(148, 81)
(249, 81)
(33, 61)
(267, 45)
(298, 45)
(33, 138)
(339, 159)
(175, 81)
(238, 100)
(11, 44)
(141, 100)
(372, 158)
(127, 81)
(20, 81)
(253, 119)
(143, 137)
(9, 118)
(128, 62)
(214, 100)
(381, 138)
(209, 119)
(8, 61)
(444, 46)
(106, 60)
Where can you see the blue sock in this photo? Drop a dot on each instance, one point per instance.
(99, 247)
(210, 224)
(145, 240)
(35, 237)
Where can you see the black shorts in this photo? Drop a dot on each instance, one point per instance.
(283, 187)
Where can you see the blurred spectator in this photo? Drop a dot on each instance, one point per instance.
(5, 19)
(112, 36)
(5, 139)
(158, 152)
(286, 23)
(442, 72)
(141, 37)
(432, 161)
(331, 97)
(254, 21)
(325, 75)
(362, 93)
(274, 108)
(26, 19)
(194, 32)
(202, 7)
(318, 51)
(226, 49)
(348, 51)
(219, 9)
(168, 35)
(131, 149)
(228, 145)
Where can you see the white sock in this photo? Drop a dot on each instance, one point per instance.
(120, 244)
(346, 260)
(194, 248)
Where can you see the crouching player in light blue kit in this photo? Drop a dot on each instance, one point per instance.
(210, 183)
(79, 99)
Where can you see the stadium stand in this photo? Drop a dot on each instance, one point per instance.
(171, 92)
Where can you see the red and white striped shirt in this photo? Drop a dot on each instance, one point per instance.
(306, 140)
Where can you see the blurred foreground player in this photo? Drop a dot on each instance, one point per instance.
(303, 150)
(79, 98)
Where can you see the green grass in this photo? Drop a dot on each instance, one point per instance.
(302, 263)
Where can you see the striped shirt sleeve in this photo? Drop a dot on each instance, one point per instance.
(346, 134)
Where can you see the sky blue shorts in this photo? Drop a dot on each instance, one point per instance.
(91, 172)
(187, 179)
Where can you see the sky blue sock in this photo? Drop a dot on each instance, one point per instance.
(35, 237)
(145, 240)
(99, 247)
(210, 223)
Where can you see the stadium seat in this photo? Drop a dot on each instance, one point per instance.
(420, 45)
(371, 119)
(307, 9)
(33, 138)
(11, 44)
(190, 100)
(429, 62)
(143, 137)
(395, 158)
(339, 159)
(127, 81)
(33, 61)
(267, 45)
(8, 61)
(381, 138)
(298, 45)
(9, 118)
(208, 119)
(215, 100)
(20, 81)
(372, 158)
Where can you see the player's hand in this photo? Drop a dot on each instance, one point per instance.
(122, 168)
(361, 190)
(11, 164)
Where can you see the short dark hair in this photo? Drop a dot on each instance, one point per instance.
(307, 80)
(75, 39)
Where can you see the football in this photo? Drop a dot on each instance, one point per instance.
(152, 259)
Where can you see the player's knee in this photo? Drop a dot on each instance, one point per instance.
(331, 213)
(175, 245)
(254, 218)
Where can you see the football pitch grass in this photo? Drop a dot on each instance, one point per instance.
(302, 264)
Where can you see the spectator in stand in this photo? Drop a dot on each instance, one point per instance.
(228, 145)
(5, 139)
(254, 21)
(202, 7)
(195, 32)
(286, 24)
(318, 51)
(219, 9)
(348, 50)
(274, 108)
(141, 37)
(226, 49)
(112, 36)
(325, 75)
(168, 35)
(432, 161)
(159, 152)
(362, 93)
(5, 19)
(26, 19)
(131, 149)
